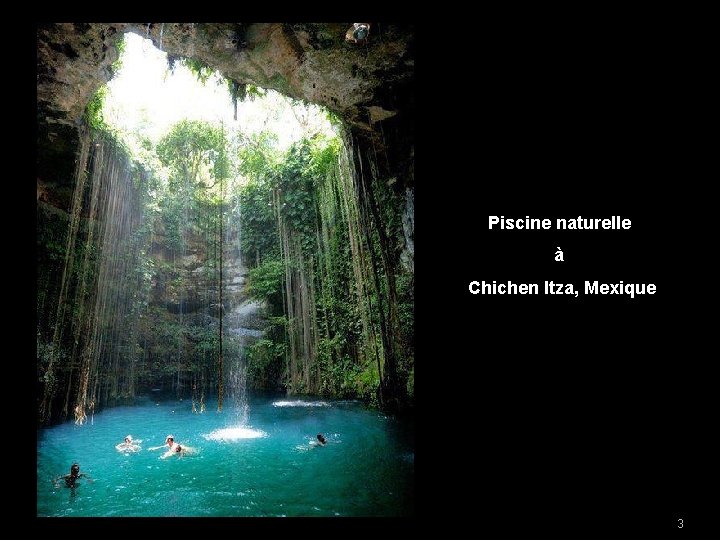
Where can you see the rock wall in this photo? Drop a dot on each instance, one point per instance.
(189, 285)
(308, 61)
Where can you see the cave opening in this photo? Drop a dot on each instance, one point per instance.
(225, 247)
(216, 236)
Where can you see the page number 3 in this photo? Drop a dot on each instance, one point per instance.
(680, 524)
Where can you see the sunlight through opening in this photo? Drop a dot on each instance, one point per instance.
(147, 97)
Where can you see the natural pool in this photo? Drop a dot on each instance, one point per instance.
(268, 468)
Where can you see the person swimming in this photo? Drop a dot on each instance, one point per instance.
(320, 440)
(173, 448)
(169, 442)
(178, 450)
(72, 478)
(128, 445)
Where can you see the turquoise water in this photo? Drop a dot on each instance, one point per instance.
(268, 468)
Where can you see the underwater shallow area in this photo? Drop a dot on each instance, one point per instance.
(265, 468)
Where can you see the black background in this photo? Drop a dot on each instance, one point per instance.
(555, 412)
(539, 412)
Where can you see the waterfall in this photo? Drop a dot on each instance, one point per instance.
(235, 334)
(238, 371)
(238, 383)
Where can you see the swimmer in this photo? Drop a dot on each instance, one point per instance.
(71, 479)
(178, 450)
(320, 440)
(128, 445)
(169, 443)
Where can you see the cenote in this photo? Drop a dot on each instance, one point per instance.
(225, 253)
(267, 468)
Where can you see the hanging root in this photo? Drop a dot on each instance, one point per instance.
(80, 416)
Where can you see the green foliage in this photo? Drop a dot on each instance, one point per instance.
(266, 282)
(290, 181)
(334, 119)
(258, 161)
(300, 190)
(117, 64)
(190, 144)
(297, 180)
(406, 316)
(173, 221)
(241, 92)
(253, 92)
(196, 156)
(198, 68)
(339, 370)
(258, 157)
(367, 382)
(93, 112)
(259, 237)
(265, 361)
(323, 156)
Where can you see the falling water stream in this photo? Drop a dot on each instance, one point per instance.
(237, 376)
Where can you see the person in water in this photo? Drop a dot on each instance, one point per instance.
(173, 448)
(169, 443)
(128, 445)
(321, 440)
(178, 450)
(72, 478)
